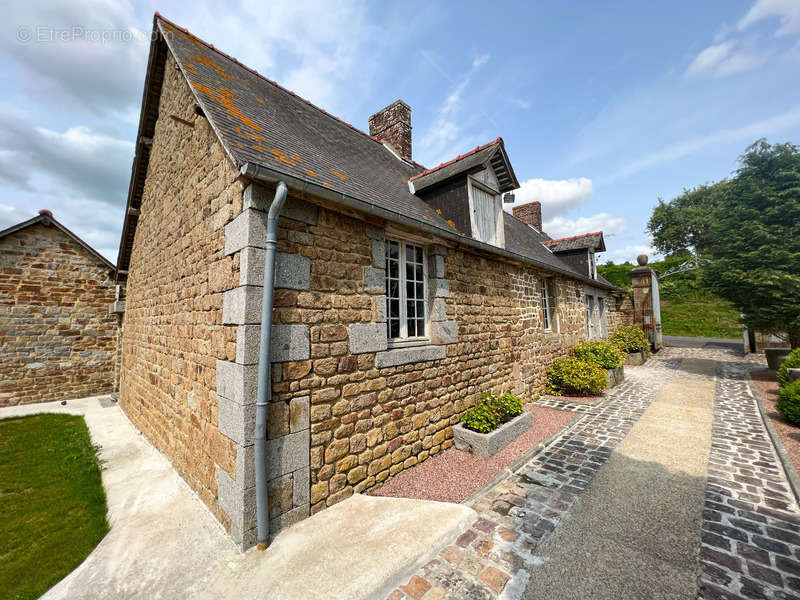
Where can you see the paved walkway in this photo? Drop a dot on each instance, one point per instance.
(667, 488)
(164, 543)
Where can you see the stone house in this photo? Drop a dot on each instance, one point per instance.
(401, 292)
(57, 336)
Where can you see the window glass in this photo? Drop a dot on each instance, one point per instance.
(405, 290)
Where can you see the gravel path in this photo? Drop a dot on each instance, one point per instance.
(454, 476)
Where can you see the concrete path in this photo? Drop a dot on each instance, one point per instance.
(164, 543)
(635, 533)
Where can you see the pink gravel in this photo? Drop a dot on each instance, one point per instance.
(578, 399)
(766, 385)
(453, 476)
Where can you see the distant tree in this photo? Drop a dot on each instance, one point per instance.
(748, 226)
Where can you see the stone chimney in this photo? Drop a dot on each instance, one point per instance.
(392, 125)
(530, 213)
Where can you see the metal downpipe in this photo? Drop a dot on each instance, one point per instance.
(265, 367)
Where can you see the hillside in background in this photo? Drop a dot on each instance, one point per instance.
(686, 308)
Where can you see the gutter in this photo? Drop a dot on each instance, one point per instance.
(264, 393)
(267, 175)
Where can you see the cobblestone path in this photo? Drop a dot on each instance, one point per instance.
(751, 525)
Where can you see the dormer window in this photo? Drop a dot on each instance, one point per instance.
(592, 265)
(486, 213)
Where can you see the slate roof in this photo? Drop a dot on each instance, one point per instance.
(45, 217)
(578, 242)
(261, 124)
(493, 152)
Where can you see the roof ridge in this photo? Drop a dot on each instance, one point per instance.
(267, 79)
(498, 140)
(573, 237)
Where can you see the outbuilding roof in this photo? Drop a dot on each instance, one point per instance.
(46, 218)
(593, 241)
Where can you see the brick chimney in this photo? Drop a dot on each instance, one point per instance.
(530, 213)
(393, 126)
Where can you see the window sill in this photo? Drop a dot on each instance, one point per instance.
(409, 354)
(408, 343)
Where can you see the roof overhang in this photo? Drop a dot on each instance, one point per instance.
(303, 189)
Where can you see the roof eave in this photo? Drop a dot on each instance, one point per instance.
(261, 173)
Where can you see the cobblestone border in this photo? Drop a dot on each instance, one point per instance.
(788, 465)
(750, 541)
(559, 403)
(522, 510)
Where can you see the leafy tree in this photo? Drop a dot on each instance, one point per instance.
(749, 228)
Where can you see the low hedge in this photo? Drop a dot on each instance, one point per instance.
(630, 339)
(570, 375)
(491, 412)
(789, 401)
(792, 362)
(600, 352)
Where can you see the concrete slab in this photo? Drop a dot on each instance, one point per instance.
(363, 547)
(164, 543)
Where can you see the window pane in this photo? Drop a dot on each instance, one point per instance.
(394, 308)
(394, 328)
(419, 273)
(412, 329)
(419, 291)
(410, 289)
(420, 327)
(411, 312)
(392, 250)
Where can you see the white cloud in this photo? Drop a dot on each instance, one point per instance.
(788, 11)
(445, 138)
(609, 224)
(5, 208)
(672, 152)
(724, 60)
(556, 195)
(629, 253)
(520, 103)
(65, 59)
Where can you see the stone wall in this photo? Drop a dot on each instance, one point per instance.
(375, 410)
(173, 333)
(619, 310)
(58, 340)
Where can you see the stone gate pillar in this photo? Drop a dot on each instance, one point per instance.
(646, 307)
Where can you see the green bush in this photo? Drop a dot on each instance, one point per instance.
(792, 362)
(480, 418)
(789, 401)
(630, 339)
(491, 412)
(506, 405)
(600, 352)
(570, 375)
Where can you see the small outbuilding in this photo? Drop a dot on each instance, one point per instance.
(57, 335)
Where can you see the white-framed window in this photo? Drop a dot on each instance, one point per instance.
(548, 304)
(592, 265)
(486, 213)
(406, 291)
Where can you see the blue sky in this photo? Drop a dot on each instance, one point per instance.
(604, 107)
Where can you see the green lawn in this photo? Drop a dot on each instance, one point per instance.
(709, 317)
(52, 503)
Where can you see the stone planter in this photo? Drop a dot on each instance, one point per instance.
(634, 359)
(489, 444)
(615, 376)
(776, 356)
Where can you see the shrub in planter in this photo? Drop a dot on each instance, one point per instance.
(571, 375)
(789, 401)
(600, 352)
(480, 418)
(630, 339)
(491, 412)
(506, 405)
(792, 362)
